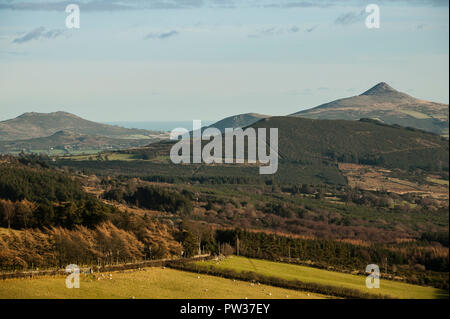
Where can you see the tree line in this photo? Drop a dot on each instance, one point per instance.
(104, 244)
(420, 266)
(150, 197)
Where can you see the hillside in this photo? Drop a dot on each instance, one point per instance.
(241, 120)
(388, 105)
(311, 151)
(364, 142)
(35, 125)
(67, 142)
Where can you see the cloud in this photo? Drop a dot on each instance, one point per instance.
(119, 5)
(161, 35)
(273, 31)
(309, 30)
(102, 5)
(39, 33)
(348, 18)
(51, 34)
(93, 5)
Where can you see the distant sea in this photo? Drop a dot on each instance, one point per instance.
(159, 125)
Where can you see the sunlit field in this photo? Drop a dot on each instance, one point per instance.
(153, 283)
(394, 289)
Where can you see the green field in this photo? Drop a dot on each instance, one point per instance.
(415, 114)
(94, 157)
(154, 283)
(437, 181)
(308, 274)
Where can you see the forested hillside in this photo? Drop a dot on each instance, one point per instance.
(362, 142)
(39, 197)
(49, 220)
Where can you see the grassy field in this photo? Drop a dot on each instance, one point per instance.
(94, 157)
(152, 283)
(309, 274)
(437, 181)
(415, 114)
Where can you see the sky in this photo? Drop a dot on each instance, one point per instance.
(178, 60)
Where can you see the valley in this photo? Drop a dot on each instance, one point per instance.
(347, 193)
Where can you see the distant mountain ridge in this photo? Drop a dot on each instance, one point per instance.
(67, 142)
(240, 120)
(387, 105)
(305, 143)
(35, 125)
(163, 126)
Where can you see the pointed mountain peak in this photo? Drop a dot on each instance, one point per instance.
(380, 88)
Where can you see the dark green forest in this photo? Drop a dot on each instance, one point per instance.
(153, 198)
(39, 197)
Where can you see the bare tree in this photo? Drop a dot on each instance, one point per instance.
(7, 211)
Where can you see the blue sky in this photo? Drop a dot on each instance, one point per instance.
(192, 59)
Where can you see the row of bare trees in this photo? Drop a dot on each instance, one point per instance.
(58, 247)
